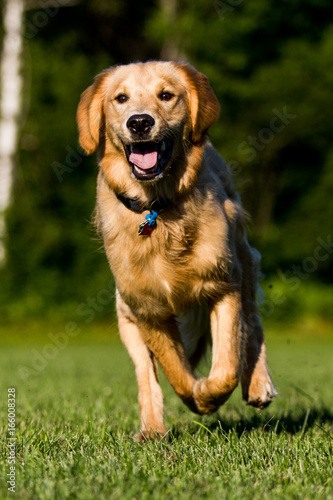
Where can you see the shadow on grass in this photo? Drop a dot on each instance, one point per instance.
(293, 422)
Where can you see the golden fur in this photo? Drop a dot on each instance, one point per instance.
(193, 279)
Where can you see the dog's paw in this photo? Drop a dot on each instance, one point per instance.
(209, 396)
(191, 403)
(260, 392)
(152, 435)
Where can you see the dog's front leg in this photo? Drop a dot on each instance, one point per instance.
(226, 328)
(150, 393)
(164, 341)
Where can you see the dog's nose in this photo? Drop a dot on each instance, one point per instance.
(140, 124)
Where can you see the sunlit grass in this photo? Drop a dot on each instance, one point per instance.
(76, 416)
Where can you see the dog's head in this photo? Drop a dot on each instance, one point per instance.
(147, 111)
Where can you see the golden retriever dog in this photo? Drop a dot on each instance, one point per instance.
(173, 231)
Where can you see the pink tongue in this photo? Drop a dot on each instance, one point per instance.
(144, 160)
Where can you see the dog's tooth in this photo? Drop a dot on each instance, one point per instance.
(138, 170)
(163, 146)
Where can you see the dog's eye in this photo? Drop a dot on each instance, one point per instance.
(165, 96)
(121, 98)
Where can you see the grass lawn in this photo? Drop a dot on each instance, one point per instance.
(76, 410)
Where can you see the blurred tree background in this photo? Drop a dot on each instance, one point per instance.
(270, 64)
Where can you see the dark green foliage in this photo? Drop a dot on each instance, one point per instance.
(270, 66)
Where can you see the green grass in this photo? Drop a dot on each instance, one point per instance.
(76, 416)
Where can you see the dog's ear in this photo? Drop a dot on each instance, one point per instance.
(203, 104)
(90, 113)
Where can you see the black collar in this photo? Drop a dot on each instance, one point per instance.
(134, 204)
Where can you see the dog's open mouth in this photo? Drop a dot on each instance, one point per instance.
(148, 159)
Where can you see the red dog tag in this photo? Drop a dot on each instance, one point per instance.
(145, 229)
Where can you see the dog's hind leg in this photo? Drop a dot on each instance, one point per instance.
(150, 392)
(257, 386)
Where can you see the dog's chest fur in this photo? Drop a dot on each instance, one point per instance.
(185, 260)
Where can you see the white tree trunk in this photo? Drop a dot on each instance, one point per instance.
(10, 105)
